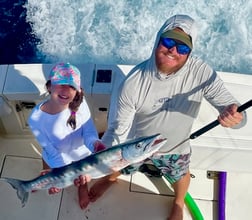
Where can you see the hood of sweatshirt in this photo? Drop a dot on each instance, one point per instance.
(185, 22)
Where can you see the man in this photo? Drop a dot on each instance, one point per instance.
(163, 95)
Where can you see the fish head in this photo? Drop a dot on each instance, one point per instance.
(141, 148)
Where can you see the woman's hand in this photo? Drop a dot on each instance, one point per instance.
(82, 180)
(52, 190)
(99, 146)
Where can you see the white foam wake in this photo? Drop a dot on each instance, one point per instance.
(123, 32)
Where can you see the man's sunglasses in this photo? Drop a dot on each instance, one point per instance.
(170, 43)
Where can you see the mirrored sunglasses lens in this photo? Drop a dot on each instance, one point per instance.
(167, 42)
(183, 49)
(170, 43)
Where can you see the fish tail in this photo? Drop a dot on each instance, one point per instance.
(22, 194)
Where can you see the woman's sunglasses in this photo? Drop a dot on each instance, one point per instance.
(170, 43)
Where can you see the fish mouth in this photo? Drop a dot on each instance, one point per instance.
(159, 139)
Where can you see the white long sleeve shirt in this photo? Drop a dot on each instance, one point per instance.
(61, 145)
(149, 103)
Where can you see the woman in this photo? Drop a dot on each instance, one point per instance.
(63, 125)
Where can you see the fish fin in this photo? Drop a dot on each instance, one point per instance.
(22, 194)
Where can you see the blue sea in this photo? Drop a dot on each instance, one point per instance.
(121, 32)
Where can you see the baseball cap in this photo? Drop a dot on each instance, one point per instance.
(177, 34)
(65, 74)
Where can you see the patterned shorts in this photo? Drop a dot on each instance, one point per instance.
(174, 166)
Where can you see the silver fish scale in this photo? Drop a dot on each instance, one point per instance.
(104, 165)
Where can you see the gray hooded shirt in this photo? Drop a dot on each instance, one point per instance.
(149, 102)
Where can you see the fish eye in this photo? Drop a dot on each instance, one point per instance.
(138, 145)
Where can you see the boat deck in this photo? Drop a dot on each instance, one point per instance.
(135, 197)
(132, 197)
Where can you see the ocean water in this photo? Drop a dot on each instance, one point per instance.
(121, 32)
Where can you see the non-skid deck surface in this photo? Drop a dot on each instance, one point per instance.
(132, 197)
(117, 203)
(127, 198)
(39, 206)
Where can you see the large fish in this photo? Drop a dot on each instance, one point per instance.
(96, 165)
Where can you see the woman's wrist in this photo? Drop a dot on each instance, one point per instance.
(44, 171)
(98, 146)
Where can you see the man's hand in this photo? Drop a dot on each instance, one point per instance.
(230, 117)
